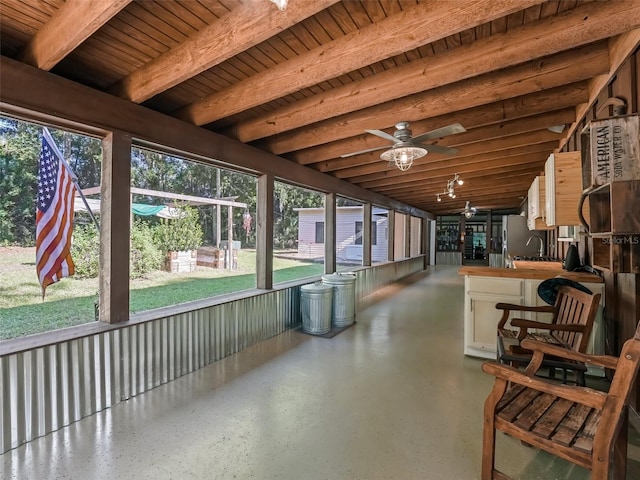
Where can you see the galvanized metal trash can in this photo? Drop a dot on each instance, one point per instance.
(343, 312)
(315, 304)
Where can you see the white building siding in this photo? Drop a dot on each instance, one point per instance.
(307, 245)
(346, 248)
(379, 250)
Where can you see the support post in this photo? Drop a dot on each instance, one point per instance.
(391, 234)
(230, 235)
(115, 234)
(366, 234)
(330, 233)
(424, 240)
(407, 236)
(264, 232)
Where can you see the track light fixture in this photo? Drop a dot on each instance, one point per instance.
(450, 190)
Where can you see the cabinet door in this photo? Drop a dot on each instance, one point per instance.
(550, 191)
(481, 322)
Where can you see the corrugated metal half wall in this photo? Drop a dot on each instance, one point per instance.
(48, 387)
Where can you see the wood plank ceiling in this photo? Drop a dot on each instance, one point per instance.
(305, 83)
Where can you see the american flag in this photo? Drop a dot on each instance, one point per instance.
(54, 215)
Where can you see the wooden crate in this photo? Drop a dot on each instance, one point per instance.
(614, 208)
(211, 257)
(178, 262)
(612, 151)
(616, 253)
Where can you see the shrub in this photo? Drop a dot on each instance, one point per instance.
(85, 251)
(145, 255)
(179, 234)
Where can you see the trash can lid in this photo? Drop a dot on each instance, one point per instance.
(317, 287)
(340, 278)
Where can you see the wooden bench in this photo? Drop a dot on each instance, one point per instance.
(579, 424)
(573, 315)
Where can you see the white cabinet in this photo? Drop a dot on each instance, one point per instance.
(536, 201)
(480, 314)
(536, 208)
(481, 317)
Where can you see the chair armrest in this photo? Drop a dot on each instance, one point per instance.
(524, 308)
(561, 327)
(605, 361)
(583, 395)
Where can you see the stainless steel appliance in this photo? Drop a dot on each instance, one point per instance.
(515, 235)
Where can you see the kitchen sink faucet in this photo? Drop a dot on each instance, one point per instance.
(541, 251)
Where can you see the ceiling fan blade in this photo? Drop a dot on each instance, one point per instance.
(439, 149)
(440, 132)
(384, 135)
(363, 151)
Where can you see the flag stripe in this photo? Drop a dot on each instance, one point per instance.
(54, 215)
(56, 241)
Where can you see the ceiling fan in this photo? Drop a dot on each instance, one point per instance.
(469, 211)
(407, 148)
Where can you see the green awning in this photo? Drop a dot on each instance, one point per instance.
(145, 210)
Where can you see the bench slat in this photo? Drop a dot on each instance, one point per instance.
(536, 410)
(571, 425)
(584, 442)
(550, 421)
(509, 395)
(518, 404)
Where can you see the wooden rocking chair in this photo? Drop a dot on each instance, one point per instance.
(581, 425)
(573, 315)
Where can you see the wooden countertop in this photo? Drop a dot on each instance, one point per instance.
(530, 271)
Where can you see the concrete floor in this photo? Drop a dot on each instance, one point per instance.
(393, 397)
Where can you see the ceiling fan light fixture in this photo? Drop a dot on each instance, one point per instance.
(403, 157)
(281, 4)
(469, 213)
(556, 128)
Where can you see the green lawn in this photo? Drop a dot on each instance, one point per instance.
(71, 301)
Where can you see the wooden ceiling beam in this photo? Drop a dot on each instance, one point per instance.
(516, 186)
(439, 181)
(567, 96)
(417, 26)
(241, 28)
(438, 188)
(470, 152)
(482, 134)
(490, 202)
(561, 69)
(36, 95)
(507, 158)
(585, 24)
(72, 24)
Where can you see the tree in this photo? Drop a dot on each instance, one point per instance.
(285, 223)
(19, 152)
